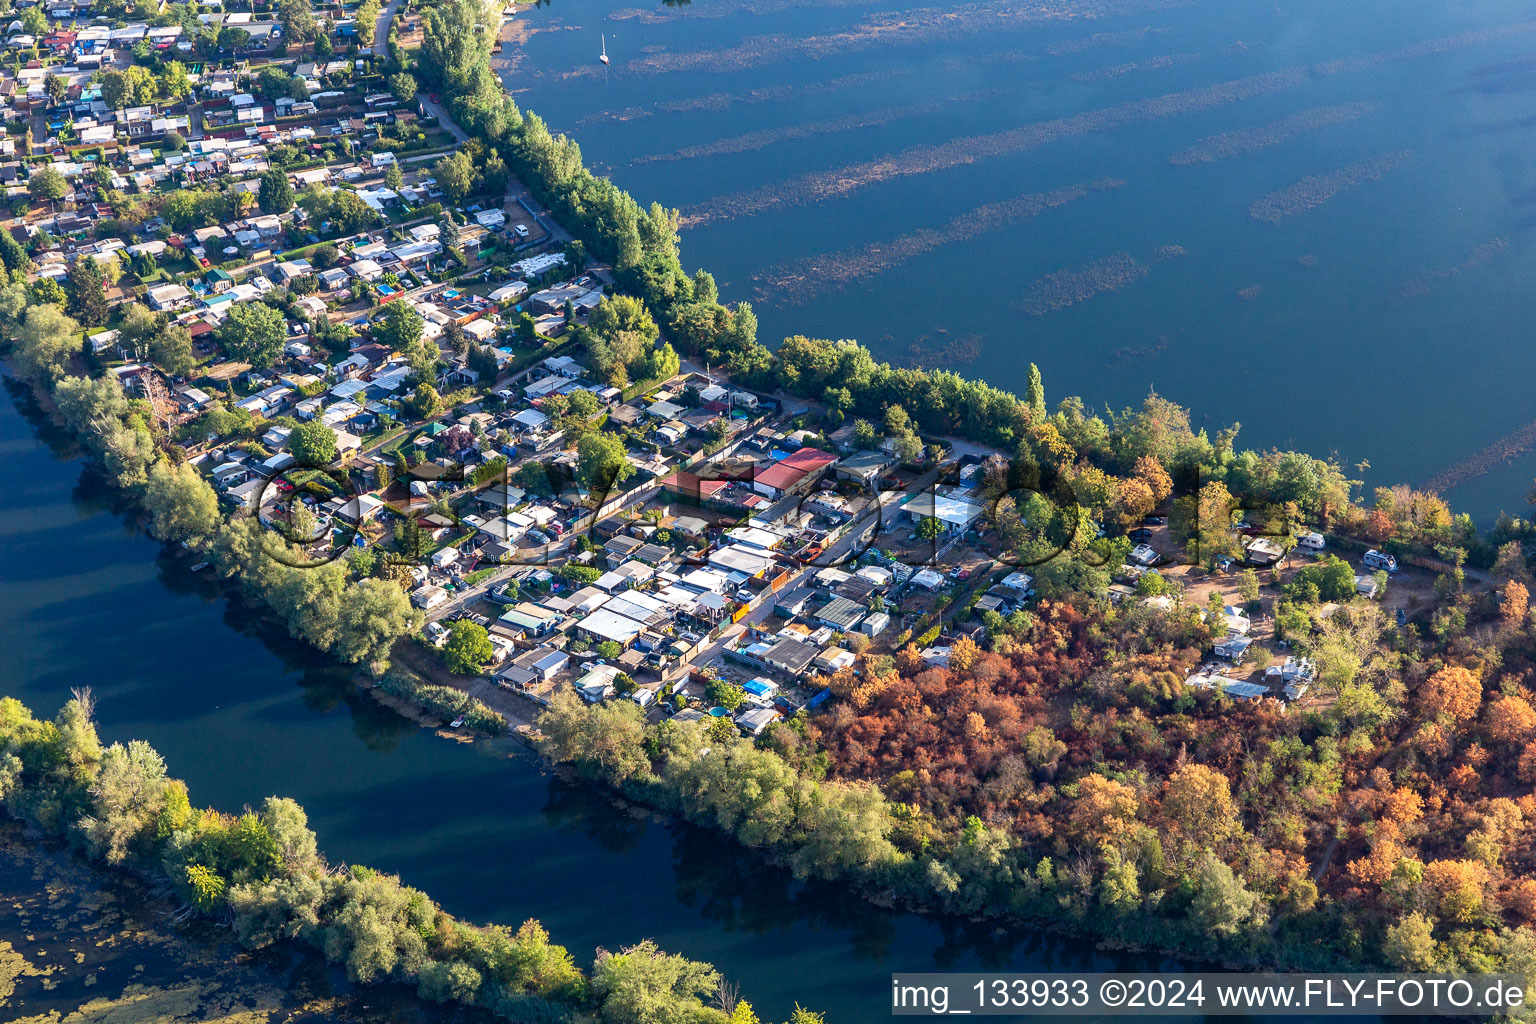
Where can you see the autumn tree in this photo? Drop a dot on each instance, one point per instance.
(1515, 601)
(1104, 811)
(1200, 800)
(1453, 692)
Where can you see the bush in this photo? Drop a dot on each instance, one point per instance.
(443, 701)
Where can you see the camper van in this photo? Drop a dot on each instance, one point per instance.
(1310, 541)
(1374, 559)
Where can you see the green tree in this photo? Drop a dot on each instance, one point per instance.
(394, 178)
(313, 444)
(174, 82)
(46, 183)
(171, 348)
(1223, 906)
(276, 194)
(398, 328)
(232, 38)
(455, 175)
(930, 528)
(253, 332)
(182, 507)
(468, 647)
(34, 22)
(601, 462)
(87, 293)
(46, 341)
(1034, 393)
(12, 254)
(403, 85)
(367, 21)
(643, 985)
(297, 20)
(375, 615)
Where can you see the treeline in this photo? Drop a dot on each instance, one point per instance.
(260, 872)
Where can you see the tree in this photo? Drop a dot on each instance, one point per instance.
(601, 462)
(231, 38)
(46, 341)
(12, 254)
(468, 647)
(1410, 944)
(172, 350)
(367, 21)
(724, 693)
(403, 86)
(1222, 904)
(253, 333)
(394, 178)
(324, 256)
(929, 528)
(276, 194)
(87, 293)
(134, 86)
(182, 507)
(1034, 393)
(126, 797)
(34, 22)
(1453, 692)
(425, 402)
(174, 81)
(47, 184)
(400, 327)
(455, 175)
(375, 615)
(313, 444)
(1516, 599)
(297, 20)
(620, 313)
(56, 87)
(1200, 800)
(643, 985)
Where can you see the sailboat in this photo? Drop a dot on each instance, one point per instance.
(604, 55)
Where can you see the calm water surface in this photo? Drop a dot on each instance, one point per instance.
(1388, 324)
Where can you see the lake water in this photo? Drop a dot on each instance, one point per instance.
(863, 169)
(86, 600)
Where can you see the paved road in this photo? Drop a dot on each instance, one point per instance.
(381, 29)
(436, 110)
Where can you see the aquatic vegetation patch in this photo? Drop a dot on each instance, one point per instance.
(1251, 140)
(1315, 190)
(1132, 67)
(766, 137)
(715, 102)
(1485, 460)
(1069, 287)
(804, 279)
(1421, 285)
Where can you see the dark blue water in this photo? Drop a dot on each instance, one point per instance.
(1367, 327)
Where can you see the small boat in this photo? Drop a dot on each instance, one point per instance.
(200, 566)
(457, 723)
(604, 55)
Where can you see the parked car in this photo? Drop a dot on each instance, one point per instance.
(1140, 535)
